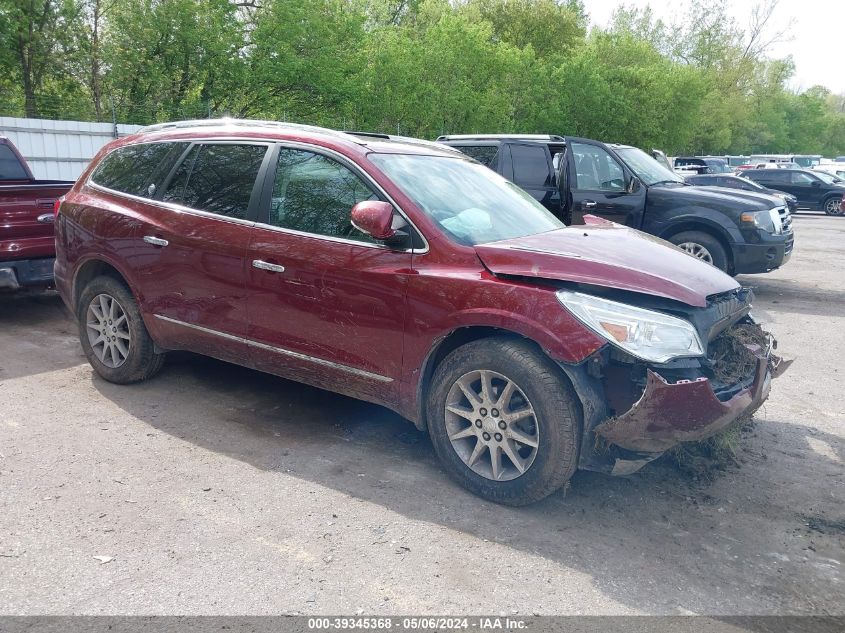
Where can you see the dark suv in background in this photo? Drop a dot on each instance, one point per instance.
(812, 189)
(742, 232)
(702, 165)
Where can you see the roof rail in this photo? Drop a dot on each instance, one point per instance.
(519, 137)
(281, 125)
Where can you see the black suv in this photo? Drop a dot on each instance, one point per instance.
(814, 190)
(739, 232)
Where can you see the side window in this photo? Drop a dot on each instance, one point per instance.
(487, 155)
(217, 178)
(800, 178)
(596, 169)
(137, 169)
(530, 165)
(315, 194)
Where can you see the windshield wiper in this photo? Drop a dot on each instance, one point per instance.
(664, 182)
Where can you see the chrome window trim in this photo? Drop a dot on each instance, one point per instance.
(280, 350)
(284, 143)
(356, 169)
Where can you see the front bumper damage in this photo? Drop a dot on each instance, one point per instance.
(625, 430)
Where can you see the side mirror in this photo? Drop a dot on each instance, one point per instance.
(634, 185)
(815, 183)
(375, 218)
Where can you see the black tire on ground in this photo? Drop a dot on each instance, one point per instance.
(831, 205)
(142, 361)
(717, 252)
(557, 414)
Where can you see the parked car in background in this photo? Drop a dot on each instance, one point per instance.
(814, 190)
(573, 177)
(698, 165)
(839, 159)
(27, 248)
(801, 161)
(833, 169)
(413, 277)
(735, 182)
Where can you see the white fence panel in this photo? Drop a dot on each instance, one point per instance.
(59, 150)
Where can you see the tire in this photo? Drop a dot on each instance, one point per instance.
(831, 206)
(556, 422)
(131, 355)
(703, 246)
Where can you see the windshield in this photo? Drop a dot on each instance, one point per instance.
(718, 166)
(825, 177)
(648, 170)
(806, 161)
(471, 203)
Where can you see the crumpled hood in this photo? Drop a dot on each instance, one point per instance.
(608, 255)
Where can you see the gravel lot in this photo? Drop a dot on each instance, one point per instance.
(218, 490)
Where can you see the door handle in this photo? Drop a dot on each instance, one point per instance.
(262, 265)
(155, 241)
(589, 204)
(44, 218)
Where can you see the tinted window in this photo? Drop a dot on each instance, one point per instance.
(217, 178)
(684, 162)
(597, 170)
(315, 194)
(137, 169)
(10, 166)
(484, 154)
(800, 178)
(530, 165)
(770, 175)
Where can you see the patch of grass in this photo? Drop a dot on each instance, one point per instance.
(704, 459)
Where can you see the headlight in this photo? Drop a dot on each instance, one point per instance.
(769, 220)
(649, 335)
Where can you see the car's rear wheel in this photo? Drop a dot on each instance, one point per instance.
(113, 335)
(831, 206)
(702, 246)
(503, 420)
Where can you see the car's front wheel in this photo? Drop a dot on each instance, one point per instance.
(702, 246)
(503, 420)
(113, 335)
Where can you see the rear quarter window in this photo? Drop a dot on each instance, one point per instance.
(487, 155)
(10, 166)
(137, 169)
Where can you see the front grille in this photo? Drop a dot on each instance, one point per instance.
(785, 219)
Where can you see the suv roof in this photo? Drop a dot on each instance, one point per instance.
(368, 140)
(499, 137)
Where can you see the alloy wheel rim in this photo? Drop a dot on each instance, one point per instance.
(832, 206)
(492, 425)
(108, 330)
(697, 250)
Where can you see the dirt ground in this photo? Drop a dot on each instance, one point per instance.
(218, 490)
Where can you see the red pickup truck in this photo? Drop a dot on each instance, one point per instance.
(27, 243)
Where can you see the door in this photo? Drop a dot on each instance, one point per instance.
(191, 249)
(806, 187)
(597, 185)
(326, 303)
(531, 164)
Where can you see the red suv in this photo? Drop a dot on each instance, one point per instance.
(407, 274)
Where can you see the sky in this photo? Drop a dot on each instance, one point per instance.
(816, 36)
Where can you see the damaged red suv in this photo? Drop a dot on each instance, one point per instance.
(406, 274)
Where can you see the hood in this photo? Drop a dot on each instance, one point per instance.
(770, 199)
(728, 201)
(608, 255)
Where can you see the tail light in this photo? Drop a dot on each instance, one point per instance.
(57, 205)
